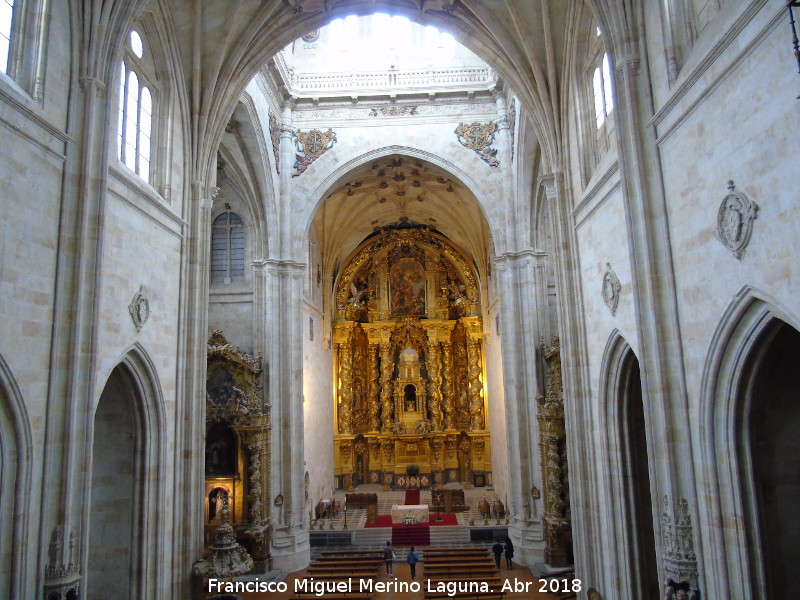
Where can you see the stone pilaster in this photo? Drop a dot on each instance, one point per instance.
(519, 324)
(284, 357)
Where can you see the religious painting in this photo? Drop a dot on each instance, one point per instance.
(407, 288)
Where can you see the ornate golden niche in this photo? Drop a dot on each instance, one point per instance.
(553, 452)
(409, 364)
(237, 447)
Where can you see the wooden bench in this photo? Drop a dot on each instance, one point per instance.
(461, 572)
(337, 569)
(465, 595)
(459, 563)
(349, 553)
(493, 582)
(354, 558)
(444, 559)
(333, 596)
(339, 577)
(453, 553)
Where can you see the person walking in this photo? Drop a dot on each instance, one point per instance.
(388, 557)
(497, 549)
(509, 552)
(412, 560)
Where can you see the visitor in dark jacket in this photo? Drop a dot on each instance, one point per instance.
(509, 552)
(497, 549)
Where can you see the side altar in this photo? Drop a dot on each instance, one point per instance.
(410, 397)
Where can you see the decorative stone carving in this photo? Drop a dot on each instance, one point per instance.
(735, 221)
(479, 137)
(139, 308)
(228, 558)
(680, 559)
(310, 145)
(393, 111)
(275, 137)
(611, 289)
(62, 572)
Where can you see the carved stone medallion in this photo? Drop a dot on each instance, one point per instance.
(735, 221)
(611, 288)
(139, 308)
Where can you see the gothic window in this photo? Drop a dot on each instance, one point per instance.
(22, 37)
(135, 108)
(6, 17)
(227, 248)
(603, 102)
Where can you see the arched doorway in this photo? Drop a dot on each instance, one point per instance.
(773, 402)
(115, 515)
(637, 502)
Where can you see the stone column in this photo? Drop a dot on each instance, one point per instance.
(284, 355)
(519, 342)
(658, 324)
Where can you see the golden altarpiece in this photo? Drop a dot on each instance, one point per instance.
(410, 401)
(237, 448)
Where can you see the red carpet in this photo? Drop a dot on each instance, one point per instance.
(412, 497)
(386, 521)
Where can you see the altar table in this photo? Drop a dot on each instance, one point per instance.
(420, 512)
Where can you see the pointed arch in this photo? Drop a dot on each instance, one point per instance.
(735, 355)
(630, 506)
(135, 381)
(16, 449)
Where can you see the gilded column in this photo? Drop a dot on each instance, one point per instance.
(434, 366)
(344, 351)
(374, 389)
(447, 387)
(386, 377)
(474, 386)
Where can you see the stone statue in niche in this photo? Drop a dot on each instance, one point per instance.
(216, 500)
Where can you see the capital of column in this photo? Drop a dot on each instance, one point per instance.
(378, 333)
(342, 331)
(551, 183)
(283, 267)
